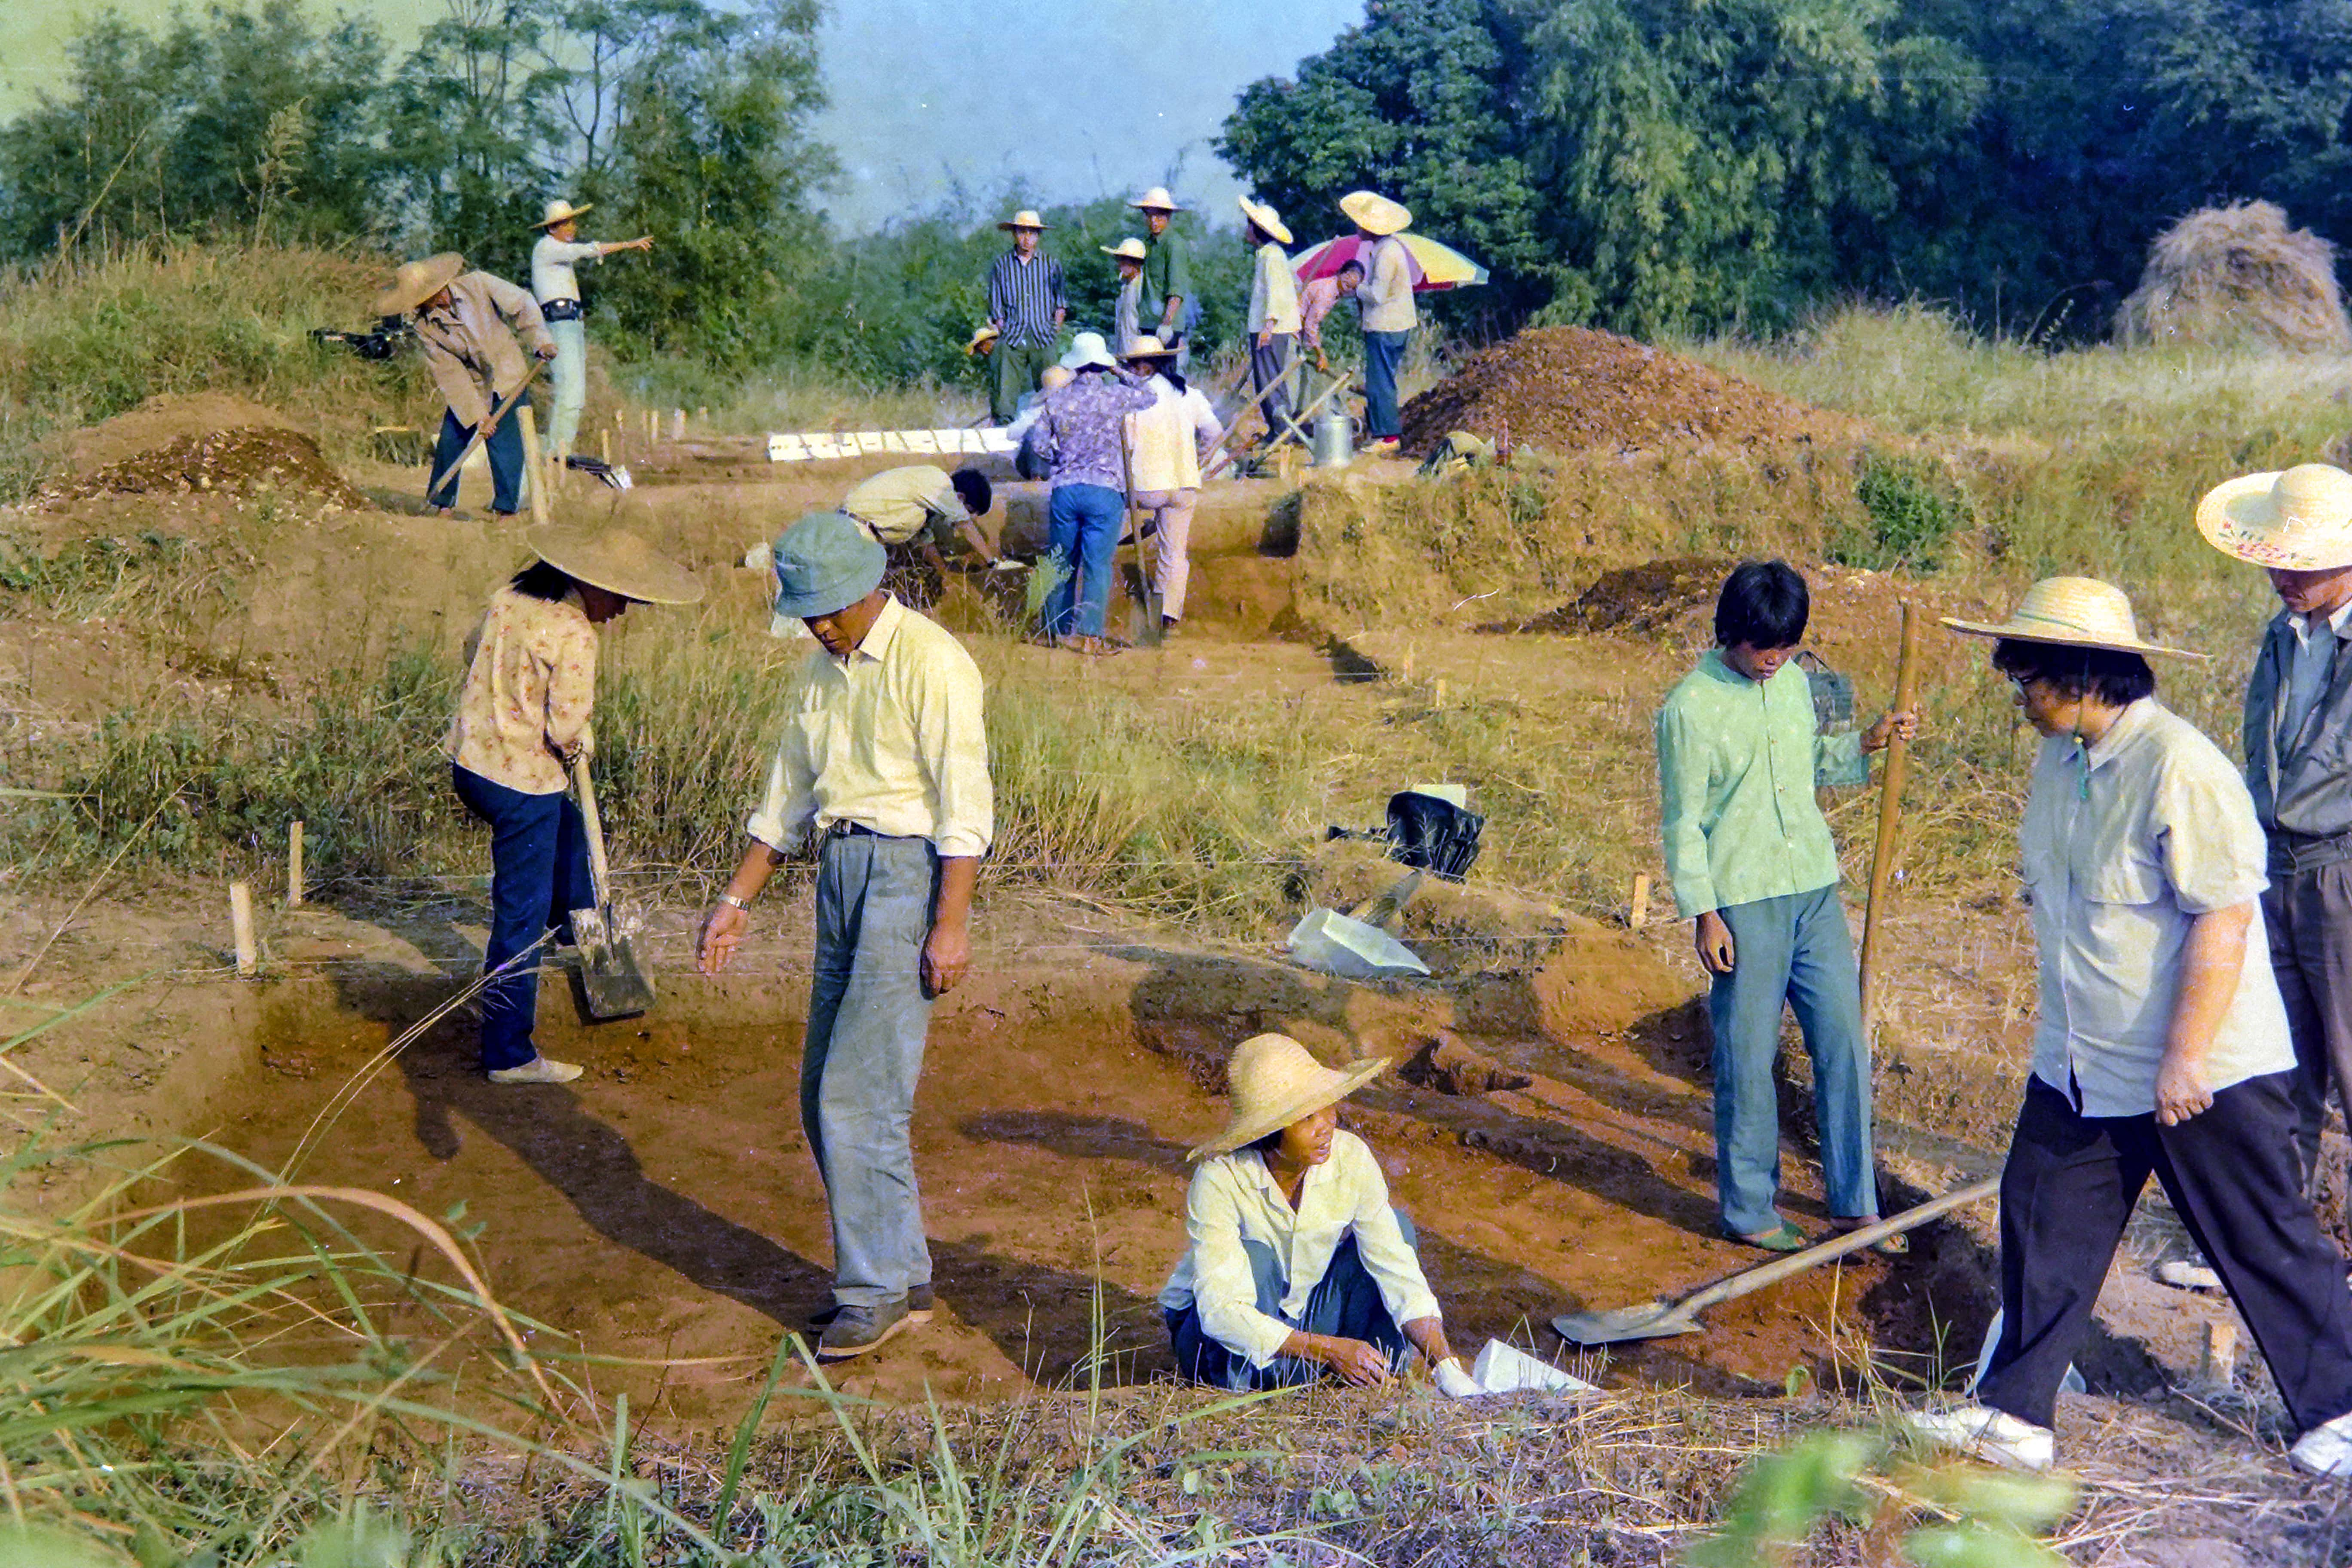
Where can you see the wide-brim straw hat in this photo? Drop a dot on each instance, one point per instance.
(982, 339)
(1146, 346)
(1026, 218)
(1131, 248)
(559, 210)
(1269, 222)
(1273, 1081)
(1156, 200)
(2072, 612)
(417, 282)
(824, 563)
(2297, 520)
(616, 561)
(1089, 349)
(1374, 213)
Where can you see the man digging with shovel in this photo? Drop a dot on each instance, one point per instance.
(463, 319)
(1755, 868)
(886, 759)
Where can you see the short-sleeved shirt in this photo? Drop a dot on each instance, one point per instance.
(1738, 763)
(1234, 1198)
(898, 505)
(530, 684)
(2125, 844)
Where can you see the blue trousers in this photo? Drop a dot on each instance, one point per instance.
(539, 875)
(868, 1022)
(1794, 951)
(1345, 1303)
(1082, 531)
(505, 449)
(1383, 353)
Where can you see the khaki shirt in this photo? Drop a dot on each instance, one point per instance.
(1386, 294)
(1166, 441)
(531, 683)
(891, 738)
(1234, 1198)
(2124, 846)
(473, 357)
(1274, 292)
(897, 505)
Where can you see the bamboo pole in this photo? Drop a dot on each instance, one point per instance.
(533, 463)
(1890, 817)
(240, 925)
(294, 864)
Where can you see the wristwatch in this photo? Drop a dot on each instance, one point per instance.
(726, 898)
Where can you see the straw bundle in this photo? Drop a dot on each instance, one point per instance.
(2238, 274)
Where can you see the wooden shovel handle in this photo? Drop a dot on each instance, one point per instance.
(1890, 817)
(600, 877)
(1781, 1268)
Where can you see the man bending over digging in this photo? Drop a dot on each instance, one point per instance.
(1753, 865)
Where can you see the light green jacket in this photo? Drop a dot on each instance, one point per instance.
(1738, 763)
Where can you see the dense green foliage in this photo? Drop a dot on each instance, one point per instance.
(1663, 166)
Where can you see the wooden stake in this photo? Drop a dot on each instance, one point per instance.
(1890, 819)
(702, 417)
(533, 463)
(240, 924)
(677, 425)
(604, 446)
(653, 428)
(1638, 915)
(2218, 1362)
(294, 864)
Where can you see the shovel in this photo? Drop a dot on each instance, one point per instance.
(1143, 606)
(498, 414)
(1352, 945)
(609, 976)
(1662, 1320)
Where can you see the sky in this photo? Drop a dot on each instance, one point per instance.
(1072, 99)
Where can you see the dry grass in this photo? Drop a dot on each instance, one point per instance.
(2238, 275)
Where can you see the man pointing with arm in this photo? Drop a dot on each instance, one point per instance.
(884, 757)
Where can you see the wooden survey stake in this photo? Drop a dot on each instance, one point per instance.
(1890, 819)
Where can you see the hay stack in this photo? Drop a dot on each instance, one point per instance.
(2235, 275)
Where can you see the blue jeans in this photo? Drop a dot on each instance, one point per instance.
(504, 446)
(1082, 532)
(868, 1022)
(1345, 1303)
(539, 875)
(1383, 353)
(569, 374)
(1794, 951)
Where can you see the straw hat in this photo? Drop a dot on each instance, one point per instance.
(1156, 200)
(1026, 218)
(1274, 1081)
(2073, 612)
(1089, 349)
(417, 282)
(1374, 213)
(1269, 222)
(1130, 247)
(616, 561)
(984, 339)
(2299, 520)
(559, 210)
(1146, 346)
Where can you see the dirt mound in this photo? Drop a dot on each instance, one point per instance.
(234, 462)
(159, 422)
(1634, 601)
(1568, 389)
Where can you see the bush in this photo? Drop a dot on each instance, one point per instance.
(1914, 508)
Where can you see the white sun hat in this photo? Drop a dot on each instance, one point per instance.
(1374, 213)
(2073, 612)
(1089, 349)
(1269, 222)
(1130, 248)
(1156, 200)
(1026, 218)
(2297, 520)
(559, 210)
(1274, 1081)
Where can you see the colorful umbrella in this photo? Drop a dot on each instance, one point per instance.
(1432, 265)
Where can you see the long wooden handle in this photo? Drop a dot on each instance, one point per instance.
(497, 413)
(1890, 817)
(1780, 1269)
(600, 876)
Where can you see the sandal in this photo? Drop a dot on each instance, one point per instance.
(1093, 648)
(1787, 1239)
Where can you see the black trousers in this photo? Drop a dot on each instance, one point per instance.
(2070, 1185)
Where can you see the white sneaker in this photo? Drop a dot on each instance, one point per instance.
(2325, 1449)
(538, 1069)
(2188, 1273)
(1997, 1437)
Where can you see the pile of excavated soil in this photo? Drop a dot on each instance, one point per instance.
(238, 461)
(158, 422)
(1632, 601)
(1567, 389)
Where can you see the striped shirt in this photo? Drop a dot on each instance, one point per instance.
(1023, 298)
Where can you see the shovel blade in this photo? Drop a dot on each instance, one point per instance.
(1650, 1321)
(611, 984)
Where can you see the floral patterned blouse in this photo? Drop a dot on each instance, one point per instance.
(530, 681)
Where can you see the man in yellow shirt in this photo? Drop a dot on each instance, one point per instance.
(885, 758)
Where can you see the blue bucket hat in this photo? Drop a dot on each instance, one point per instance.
(824, 563)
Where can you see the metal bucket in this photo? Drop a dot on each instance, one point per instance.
(1335, 439)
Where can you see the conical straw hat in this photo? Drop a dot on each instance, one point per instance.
(1274, 1081)
(417, 282)
(1374, 213)
(616, 561)
(560, 210)
(1268, 221)
(2074, 611)
(2299, 520)
(1156, 200)
(1130, 247)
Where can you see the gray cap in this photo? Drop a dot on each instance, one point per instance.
(826, 562)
